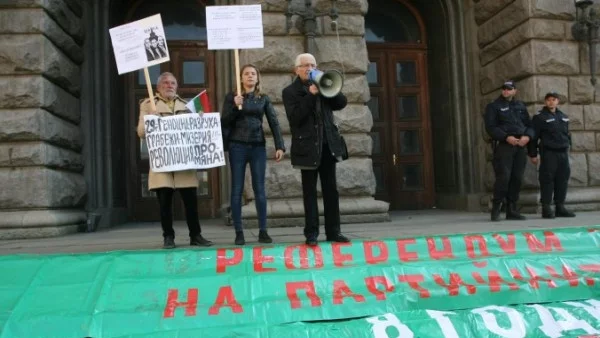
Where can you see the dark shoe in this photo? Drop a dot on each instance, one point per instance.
(239, 238)
(547, 211)
(263, 237)
(339, 238)
(495, 216)
(200, 241)
(169, 242)
(312, 241)
(512, 213)
(561, 211)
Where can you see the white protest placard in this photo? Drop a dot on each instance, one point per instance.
(234, 27)
(184, 141)
(139, 44)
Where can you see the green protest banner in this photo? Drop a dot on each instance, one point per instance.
(169, 293)
(565, 319)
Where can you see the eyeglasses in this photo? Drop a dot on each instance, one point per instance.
(306, 65)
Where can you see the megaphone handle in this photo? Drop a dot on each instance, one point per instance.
(237, 74)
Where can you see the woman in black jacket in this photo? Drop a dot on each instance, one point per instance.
(246, 144)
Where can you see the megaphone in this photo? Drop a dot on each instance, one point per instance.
(330, 83)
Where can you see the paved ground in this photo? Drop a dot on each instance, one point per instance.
(136, 236)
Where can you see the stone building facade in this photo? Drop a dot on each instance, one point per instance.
(417, 75)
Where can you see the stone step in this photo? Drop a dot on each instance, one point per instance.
(578, 199)
(40, 223)
(295, 207)
(290, 212)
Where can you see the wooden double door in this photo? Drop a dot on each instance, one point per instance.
(193, 67)
(402, 150)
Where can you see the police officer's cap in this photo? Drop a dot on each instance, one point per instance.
(551, 94)
(509, 85)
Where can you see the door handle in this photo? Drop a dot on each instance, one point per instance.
(394, 159)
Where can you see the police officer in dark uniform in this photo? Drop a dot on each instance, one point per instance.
(552, 137)
(507, 122)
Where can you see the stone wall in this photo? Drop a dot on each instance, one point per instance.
(530, 42)
(43, 189)
(356, 181)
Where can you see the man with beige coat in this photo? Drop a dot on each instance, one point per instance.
(165, 183)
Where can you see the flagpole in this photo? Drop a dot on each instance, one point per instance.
(237, 73)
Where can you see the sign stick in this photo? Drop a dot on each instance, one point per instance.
(149, 86)
(237, 73)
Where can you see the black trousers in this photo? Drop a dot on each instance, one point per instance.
(509, 166)
(331, 197)
(554, 174)
(190, 203)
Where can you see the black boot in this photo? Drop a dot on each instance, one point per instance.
(561, 211)
(200, 241)
(512, 213)
(547, 211)
(168, 242)
(263, 237)
(239, 238)
(496, 211)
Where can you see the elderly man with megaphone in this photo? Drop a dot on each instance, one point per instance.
(316, 142)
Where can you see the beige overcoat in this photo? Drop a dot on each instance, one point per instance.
(175, 179)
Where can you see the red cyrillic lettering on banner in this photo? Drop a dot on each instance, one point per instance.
(338, 257)
(495, 281)
(454, 285)
(223, 262)
(304, 260)
(470, 245)
(534, 280)
(413, 281)
(341, 291)
(568, 275)
(309, 287)
(259, 260)
(445, 253)
(173, 303)
(372, 283)
(550, 240)
(590, 268)
(508, 245)
(225, 298)
(370, 258)
(402, 253)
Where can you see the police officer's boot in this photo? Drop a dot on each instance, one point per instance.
(547, 211)
(561, 211)
(496, 211)
(512, 213)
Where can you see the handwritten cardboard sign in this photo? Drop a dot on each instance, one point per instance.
(185, 141)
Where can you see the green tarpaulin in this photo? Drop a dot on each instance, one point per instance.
(273, 291)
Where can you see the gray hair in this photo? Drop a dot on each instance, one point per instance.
(163, 75)
(303, 56)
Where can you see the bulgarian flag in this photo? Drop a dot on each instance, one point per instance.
(199, 104)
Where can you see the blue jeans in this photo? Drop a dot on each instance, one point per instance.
(239, 155)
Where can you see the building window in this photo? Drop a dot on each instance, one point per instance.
(185, 21)
(390, 21)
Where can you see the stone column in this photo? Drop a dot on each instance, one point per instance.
(356, 181)
(43, 188)
(530, 41)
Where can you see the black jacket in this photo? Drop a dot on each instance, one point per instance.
(551, 131)
(311, 123)
(246, 125)
(505, 118)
